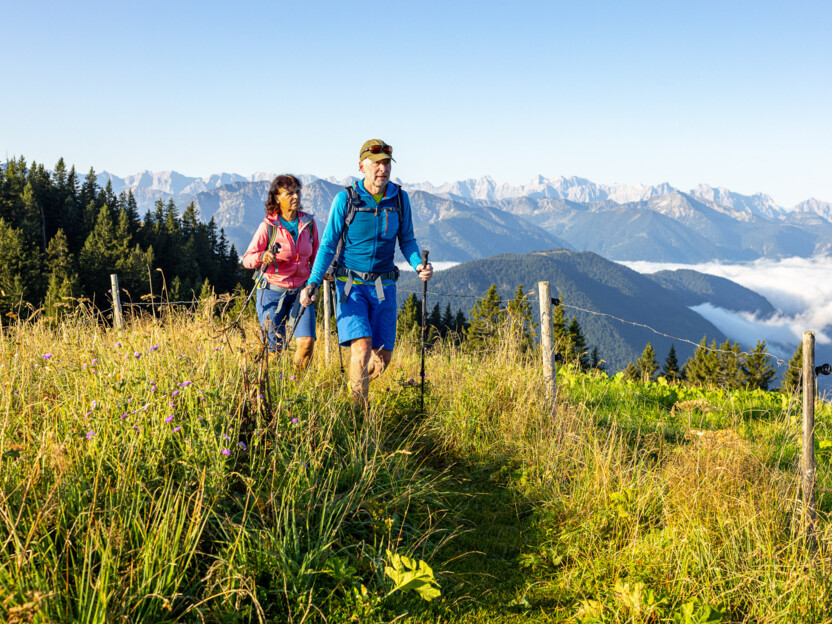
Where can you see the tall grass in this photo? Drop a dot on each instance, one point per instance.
(148, 476)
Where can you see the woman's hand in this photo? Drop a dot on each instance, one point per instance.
(268, 257)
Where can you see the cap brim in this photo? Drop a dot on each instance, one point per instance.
(379, 157)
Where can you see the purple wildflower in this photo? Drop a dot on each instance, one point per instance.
(242, 445)
(153, 348)
(174, 393)
(90, 434)
(225, 436)
(94, 405)
(46, 356)
(225, 452)
(295, 421)
(169, 418)
(153, 388)
(84, 367)
(185, 384)
(118, 344)
(137, 355)
(87, 414)
(94, 362)
(175, 429)
(124, 415)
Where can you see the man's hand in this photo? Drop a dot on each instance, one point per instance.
(425, 272)
(307, 295)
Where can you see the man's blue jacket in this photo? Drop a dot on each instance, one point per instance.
(370, 246)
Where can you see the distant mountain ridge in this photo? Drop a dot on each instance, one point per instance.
(475, 218)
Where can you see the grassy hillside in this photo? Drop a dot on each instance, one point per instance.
(155, 475)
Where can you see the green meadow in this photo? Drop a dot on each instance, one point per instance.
(168, 473)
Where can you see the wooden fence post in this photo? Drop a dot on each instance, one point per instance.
(118, 317)
(327, 320)
(807, 463)
(547, 344)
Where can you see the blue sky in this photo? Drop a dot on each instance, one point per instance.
(727, 93)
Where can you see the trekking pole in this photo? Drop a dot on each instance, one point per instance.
(335, 316)
(424, 324)
(292, 325)
(274, 249)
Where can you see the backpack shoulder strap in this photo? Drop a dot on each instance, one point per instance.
(354, 202)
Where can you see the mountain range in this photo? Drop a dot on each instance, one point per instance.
(473, 219)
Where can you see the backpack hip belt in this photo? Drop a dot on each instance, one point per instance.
(375, 278)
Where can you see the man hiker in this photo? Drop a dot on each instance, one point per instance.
(365, 222)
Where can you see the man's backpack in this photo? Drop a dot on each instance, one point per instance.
(355, 204)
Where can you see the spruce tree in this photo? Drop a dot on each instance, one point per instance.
(577, 347)
(647, 364)
(16, 268)
(487, 318)
(407, 320)
(793, 377)
(701, 369)
(670, 370)
(631, 373)
(757, 369)
(729, 367)
(521, 324)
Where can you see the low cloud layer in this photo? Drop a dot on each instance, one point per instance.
(799, 288)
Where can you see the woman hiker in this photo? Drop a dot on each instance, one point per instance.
(287, 266)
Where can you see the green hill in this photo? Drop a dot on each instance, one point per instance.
(587, 285)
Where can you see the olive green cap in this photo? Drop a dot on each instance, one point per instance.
(383, 155)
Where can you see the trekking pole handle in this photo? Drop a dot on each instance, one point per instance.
(424, 258)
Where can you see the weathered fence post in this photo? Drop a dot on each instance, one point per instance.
(547, 344)
(118, 317)
(807, 463)
(327, 321)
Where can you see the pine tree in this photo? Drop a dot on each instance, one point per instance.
(447, 321)
(793, 377)
(647, 364)
(487, 318)
(407, 320)
(631, 373)
(559, 334)
(521, 324)
(595, 360)
(100, 254)
(435, 318)
(729, 371)
(577, 348)
(670, 370)
(757, 369)
(701, 369)
(16, 270)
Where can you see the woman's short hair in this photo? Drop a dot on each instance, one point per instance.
(285, 182)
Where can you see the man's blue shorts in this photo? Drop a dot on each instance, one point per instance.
(362, 315)
(268, 301)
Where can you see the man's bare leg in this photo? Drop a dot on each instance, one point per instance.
(361, 352)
